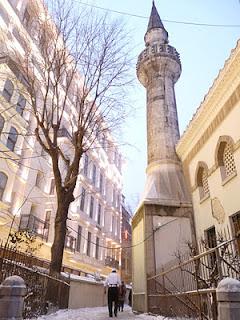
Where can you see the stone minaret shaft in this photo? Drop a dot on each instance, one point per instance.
(158, 69)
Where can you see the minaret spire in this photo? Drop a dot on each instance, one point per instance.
(154, 20)
(155, 30)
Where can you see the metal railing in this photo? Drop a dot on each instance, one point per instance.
(43, 291)
(70, 243)
(111, 262)
(37, 226)
(188, 288)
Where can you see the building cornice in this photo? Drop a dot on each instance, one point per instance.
(219, 101)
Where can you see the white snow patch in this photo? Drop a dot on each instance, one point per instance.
(228, 285)
(100, 313)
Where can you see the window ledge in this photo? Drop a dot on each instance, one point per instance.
(204, 198)
(228, 178)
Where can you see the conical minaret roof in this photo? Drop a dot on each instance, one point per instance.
(154, 20)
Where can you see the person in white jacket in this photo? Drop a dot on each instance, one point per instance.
(112, 282)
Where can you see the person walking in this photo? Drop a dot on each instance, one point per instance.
(121, 296)
(112, 282)
(130, 296)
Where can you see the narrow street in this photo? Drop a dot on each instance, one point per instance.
(99, 313)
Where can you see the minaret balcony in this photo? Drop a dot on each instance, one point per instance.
(156, 50)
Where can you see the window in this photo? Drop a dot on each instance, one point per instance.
(8, 90)
(85, 167)
(99, 214)
(94, 174)
(211, 241)
(4, 15)
(2, 121)
(236, 228)
(82, 201)
(101, 183)
(48, 217)
(89, 243)
(39, 178)
(228, 160)
(26, 18)
(52, 186)
(118, 227)
(119, 163)
(20, 38)
(97, 248)
(113, 223)
(79, 238)
(113, 197)
(123, 263)
(33, 209)
(70, 242)
(202, 182)
(91, 207)
(63, 132)
(21, 104)
(3, 182)
(225, 159)
(103, 142)
(12, 138)
(118, 201)
(47, 224)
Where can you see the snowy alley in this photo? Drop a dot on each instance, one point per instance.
(99, 313)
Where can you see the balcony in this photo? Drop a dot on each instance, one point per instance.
(63, 133)
(35, 225)
(111, 262)
(70, 243)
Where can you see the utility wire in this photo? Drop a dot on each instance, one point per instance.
(164, 20)
(119, 247)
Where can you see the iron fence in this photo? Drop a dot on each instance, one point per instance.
(188, 288)
(31, 261)
(43, 291)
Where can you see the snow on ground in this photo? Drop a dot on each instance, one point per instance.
(99, 313)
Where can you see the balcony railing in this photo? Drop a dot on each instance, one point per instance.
(37, 226)
(70, 243)
(63, 133)
(111, 262)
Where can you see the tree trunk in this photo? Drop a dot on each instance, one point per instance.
(60, 229)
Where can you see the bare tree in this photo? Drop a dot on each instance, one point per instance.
(76, 82)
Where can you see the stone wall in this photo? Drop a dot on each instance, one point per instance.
(87, 294)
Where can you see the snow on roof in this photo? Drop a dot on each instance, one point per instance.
(218, 78)
(89, 278)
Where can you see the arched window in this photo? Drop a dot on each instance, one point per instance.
(202, 182)
(225, 159)
(21, 104)
(8, 90)
(12, 138)
(3, 182)
(2, 121)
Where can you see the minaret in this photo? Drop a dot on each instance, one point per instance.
(162, 225)
(158, 69)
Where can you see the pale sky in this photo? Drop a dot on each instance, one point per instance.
(203, 51)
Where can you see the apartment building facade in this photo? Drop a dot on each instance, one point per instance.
(126, 254)
(28, 195)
